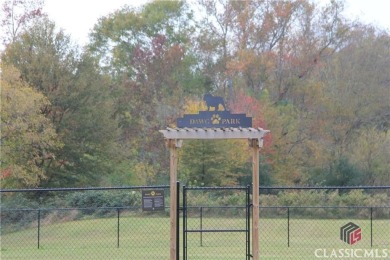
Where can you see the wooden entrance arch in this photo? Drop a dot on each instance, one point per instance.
(174, 138)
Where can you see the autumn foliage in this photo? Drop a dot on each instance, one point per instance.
(76, 116)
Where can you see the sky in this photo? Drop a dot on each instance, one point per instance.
(77, 17)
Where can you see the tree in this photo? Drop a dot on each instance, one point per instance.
(29, 141)
(340, 172)
(116, 38)
(370, 153)
(17, 15)
(270, 49)
(146, 52)
(80, 105)
(303, 71)
(353, 100)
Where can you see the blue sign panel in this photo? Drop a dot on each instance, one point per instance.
(216, 118)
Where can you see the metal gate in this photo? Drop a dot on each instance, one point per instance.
(216, 222)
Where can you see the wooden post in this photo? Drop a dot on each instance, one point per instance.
(173, 145)
(255, 198)
(174, 137)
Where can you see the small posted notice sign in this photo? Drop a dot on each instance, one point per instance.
(153, 200)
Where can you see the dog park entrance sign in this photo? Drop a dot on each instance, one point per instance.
(214, 123)
(216, 116)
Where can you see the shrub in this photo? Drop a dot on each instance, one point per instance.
(90, 200)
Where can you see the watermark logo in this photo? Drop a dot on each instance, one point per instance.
(350, 233)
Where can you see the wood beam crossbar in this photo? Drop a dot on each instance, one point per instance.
(215, 133)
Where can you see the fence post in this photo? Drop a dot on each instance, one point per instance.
(118, 228)
(201, 226)
(248, 216)
(288, 226)
(371, 224)
(39, 225)
(255, 198)
(177, 220)
(184, 222)
(173, 144)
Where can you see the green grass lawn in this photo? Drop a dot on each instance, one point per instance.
(148, 238)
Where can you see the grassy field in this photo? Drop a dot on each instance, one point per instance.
(148, 238)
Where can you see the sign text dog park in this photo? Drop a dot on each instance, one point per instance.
(216, 116)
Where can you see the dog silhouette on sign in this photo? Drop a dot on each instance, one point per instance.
(214, 102)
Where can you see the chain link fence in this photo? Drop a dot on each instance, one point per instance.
(311, 223)
(294, 223)
(304, 233)
(215, 217)
(109, 223)
(105, 223)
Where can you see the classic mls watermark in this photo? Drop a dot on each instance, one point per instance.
(351, 253)
(351, 233)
